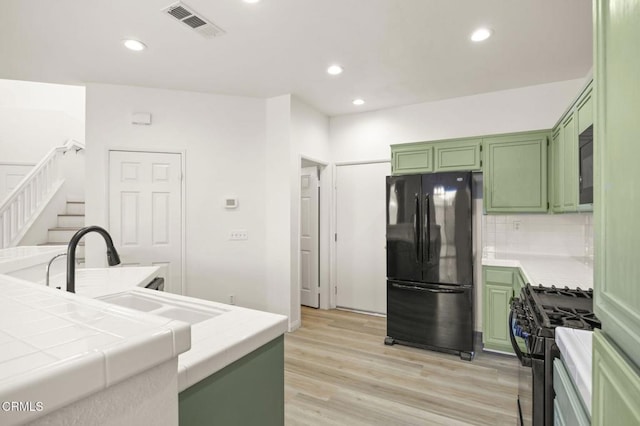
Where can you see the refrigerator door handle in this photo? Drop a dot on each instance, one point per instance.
(430, 290)
(416, 230)
(427, 225)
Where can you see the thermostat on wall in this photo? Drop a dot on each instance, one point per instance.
(230, 203)
(143, 118)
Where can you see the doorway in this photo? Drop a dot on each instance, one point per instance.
(145, 211)
(309, 236)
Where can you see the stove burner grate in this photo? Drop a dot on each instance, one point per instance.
(571, 317)
(566, 291)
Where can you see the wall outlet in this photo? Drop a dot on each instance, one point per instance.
(238, 235)
(232, 299)
(516, 225)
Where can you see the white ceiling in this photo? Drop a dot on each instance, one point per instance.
(394, 52)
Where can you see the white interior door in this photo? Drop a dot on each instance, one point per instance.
(360, 248)
(309, 237)
(145, 211)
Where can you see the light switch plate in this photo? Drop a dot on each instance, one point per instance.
(238, 235)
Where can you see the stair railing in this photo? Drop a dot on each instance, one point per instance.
(25, 203)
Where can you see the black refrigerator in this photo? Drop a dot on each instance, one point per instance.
(430, 262)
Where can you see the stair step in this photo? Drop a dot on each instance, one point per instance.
(70, 220)
(61, 235)
(75, 207)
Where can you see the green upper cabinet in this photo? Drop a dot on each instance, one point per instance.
(411, 158)
(584, 108)
(564, 172)
(515, 173)
(437, 156)
(556, 169)
(569, 164)
(616, 361)
(458, 155)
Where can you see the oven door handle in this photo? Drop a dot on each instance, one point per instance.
(525, 359)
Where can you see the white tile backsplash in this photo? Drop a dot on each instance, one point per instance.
(546, 234)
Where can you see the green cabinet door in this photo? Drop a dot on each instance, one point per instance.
(498, 291)
(557, 170)
(584, 113)
(616, 358)
(458, 155)
(412, 158)
(569, 164)
(515, 173)
(616, 386)
(584, 109)
(616, 194)
(496, 305)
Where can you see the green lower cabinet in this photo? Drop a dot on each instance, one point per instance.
(568, 406)
(499, 286)
(515, 173)
(496, 311)
(250, 391)
(616, 386)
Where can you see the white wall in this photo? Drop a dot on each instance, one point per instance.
(223, 138)
(309, 140)
(35, 117)
(367, 136)
(278, 205)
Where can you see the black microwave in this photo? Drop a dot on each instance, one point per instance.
(585, 141)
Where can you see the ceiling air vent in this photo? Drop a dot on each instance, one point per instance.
(193, 19)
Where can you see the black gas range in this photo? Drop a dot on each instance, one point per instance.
(533, 317)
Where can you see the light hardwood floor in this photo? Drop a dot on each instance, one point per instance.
(339, 372)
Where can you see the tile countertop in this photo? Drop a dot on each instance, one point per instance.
(575, 347)
(221, 340)
(14, 258)
(548, 270)
(57, 347)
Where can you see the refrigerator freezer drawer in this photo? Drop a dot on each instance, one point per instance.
(430, 315)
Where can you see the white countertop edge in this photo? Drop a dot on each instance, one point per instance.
(205, 360)
(95, 369)
(575, 348)
(546, 270)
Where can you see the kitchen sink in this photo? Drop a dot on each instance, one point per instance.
(134, 302)
(191, 316)
(174, 307)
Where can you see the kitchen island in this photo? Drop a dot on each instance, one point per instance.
(74, 357)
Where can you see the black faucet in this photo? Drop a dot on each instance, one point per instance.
(112, 254)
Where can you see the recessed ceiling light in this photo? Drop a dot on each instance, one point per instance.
(134, 45)
(481, 34)
(358, 101)
(251, 1)
(335, 70)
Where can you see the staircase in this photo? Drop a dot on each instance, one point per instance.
(69, 223)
